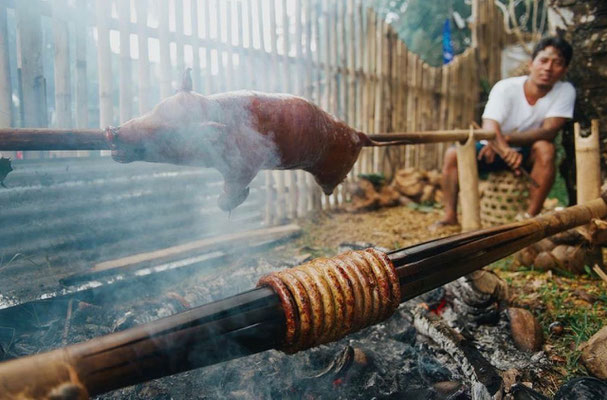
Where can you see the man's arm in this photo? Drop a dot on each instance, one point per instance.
(548, 131)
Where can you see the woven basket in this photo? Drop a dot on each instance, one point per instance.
(503, 197)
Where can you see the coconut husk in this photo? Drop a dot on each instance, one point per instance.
(438, 196)
(434, 178)
(595, 233)
(569, 258)
(594, 354)
(526, 330)
(364, 197)
(388, 197)
(427, 194)
(545, 261)
(526, 256)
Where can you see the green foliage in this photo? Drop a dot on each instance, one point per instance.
(376, 179)
(419, 24)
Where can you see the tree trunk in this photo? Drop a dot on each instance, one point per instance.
(584, 25)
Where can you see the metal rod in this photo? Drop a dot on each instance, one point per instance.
(253, 321)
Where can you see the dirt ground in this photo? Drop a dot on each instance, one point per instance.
(577, 303)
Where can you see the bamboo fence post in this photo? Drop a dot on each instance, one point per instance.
(143, 66)
(220, 48)
(337, 109)
(196, 71)
(410, 77)
(279, 176)
(179, 36)
(290, 176)
(243, 73)
(301, 189)
(210, 84)
(365, 52)
(6, 103)
(359, 76)
(314, 66)
(230, 77)
(380, 104)
(82, 110)
(349, 37)
(29, 60)
(63, 94)
(587, 163)
(444, 104)
(124, 16)
(419, 79)
(104, 61)
(165, 52)
(468, 184)
(403, 90)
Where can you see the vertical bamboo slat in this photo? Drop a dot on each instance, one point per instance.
(179, 37)
(63, 87)
(143, 66)
(196, 72)
(210, 84)
(166, 77)
(104, 62)
(124, 15)
(82, 111)
(29, 60)
(229, 76)
(6, 107)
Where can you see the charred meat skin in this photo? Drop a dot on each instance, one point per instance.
(240, 133)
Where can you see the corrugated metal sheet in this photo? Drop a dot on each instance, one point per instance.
(61, 216)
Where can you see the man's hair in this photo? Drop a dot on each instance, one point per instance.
(558, 43)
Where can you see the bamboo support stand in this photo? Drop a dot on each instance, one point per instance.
(587, 163)
(467, 172)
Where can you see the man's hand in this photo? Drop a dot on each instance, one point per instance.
(512, 157)
(487, 153)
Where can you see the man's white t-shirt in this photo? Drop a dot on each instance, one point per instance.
(508, 106)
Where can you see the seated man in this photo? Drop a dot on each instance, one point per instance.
(526, 113)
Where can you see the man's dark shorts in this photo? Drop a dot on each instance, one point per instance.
(498, 163)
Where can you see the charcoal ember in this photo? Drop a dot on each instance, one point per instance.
(152, 390)
(431, 370)
(520, 391)
(434, 298)
(584, 388)
(405, 335)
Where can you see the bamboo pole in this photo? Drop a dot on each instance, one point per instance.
(244, 74)
(210, 83)
(63, 86)
(229, 76)
(279, 177)
(29, 61)
(587, 163)
(301, 188)
(196, 71)
(6, 102)
(179, 36)
(104, 62)
(82, 110)
(143, 66)
(254, 321)
(467, 172)
(124, 16)
(165, 77)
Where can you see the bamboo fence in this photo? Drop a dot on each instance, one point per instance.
(338, 54)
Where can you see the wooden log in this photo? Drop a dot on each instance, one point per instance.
(467, 172)
(63, 86)
(143, 66)
(126, 96)
(6, 102)
(587, 163)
